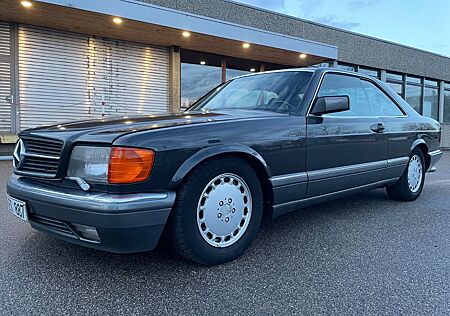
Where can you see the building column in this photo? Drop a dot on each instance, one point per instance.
(224, 69)
(175, 79)
(422, 98)
(441, 101)
(15, 107)
(405, 80)
(383, 75)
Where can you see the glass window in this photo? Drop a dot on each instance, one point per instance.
(382, 105)
(447, 85)
(369, 72)
(196, 80)
(430, 102)
(412, 79)
(431, 83)
(447, 106)
(277, 92)
(343, 66)
(231, 73)
(397, 87)
(393, 76)
(414, 96)
(334, 85)
(321, 65)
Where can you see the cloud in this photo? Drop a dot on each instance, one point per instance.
(332, 20)
(361, 4)
(312, 10)
(308, 7)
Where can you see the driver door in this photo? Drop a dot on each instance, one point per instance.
(346, 149)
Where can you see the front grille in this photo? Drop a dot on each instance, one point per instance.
(40, 156)
(39, 165)
(43, 146)
(53, 225)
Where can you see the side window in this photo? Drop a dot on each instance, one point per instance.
(382, 105)
(335, 84)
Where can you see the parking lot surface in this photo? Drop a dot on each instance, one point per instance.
(360, 255)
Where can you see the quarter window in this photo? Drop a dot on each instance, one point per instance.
(382, 105)
(335, 85)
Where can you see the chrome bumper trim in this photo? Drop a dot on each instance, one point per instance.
(89, 201)
(435, 156)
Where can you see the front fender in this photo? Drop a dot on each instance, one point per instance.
(209, 152)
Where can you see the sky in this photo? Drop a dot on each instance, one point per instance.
(423, 24)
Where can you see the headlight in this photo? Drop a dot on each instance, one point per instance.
(111, 165)
(89, 163)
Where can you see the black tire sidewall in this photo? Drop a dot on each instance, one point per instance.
(205, 252)
(401, 190)
(419, 153)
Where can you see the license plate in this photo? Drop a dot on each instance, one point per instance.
(18, 208)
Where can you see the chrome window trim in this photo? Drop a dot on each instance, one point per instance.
(356, 116)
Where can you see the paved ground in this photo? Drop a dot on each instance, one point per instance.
(361, 255)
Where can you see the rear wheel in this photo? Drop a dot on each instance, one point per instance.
(217, 212)
(410, 185)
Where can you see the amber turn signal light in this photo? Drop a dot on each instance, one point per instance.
(130, 165)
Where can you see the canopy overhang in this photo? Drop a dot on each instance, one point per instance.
(150, 24)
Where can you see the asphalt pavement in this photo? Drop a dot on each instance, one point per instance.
(362, 255)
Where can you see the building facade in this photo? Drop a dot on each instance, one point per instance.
(63, 60)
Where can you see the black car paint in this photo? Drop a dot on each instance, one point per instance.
(276, 144)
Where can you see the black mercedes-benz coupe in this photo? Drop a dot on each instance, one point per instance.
(266, 143)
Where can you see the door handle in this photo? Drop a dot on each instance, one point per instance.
(378, 128)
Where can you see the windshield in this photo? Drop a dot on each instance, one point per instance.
(276, 91)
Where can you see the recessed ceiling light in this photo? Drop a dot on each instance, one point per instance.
(26, 4)
(303, 55)
(117, 20)
(253, 70)
(246, 45)
(186, 34)
(203, 62)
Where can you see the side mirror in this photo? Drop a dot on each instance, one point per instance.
(330, 104)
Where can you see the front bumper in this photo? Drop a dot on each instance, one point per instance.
(125, 223)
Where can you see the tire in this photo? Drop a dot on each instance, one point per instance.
(217, 227)
(410, 190)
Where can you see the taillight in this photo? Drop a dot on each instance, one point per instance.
(130, 165)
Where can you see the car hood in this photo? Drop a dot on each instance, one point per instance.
(106, 130)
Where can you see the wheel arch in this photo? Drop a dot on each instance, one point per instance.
(248, 154)
(422, 145)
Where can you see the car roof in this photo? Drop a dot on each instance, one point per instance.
(311, 70)
(277, 71)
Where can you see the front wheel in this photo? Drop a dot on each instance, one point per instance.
(217, 212)
(410, 184)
